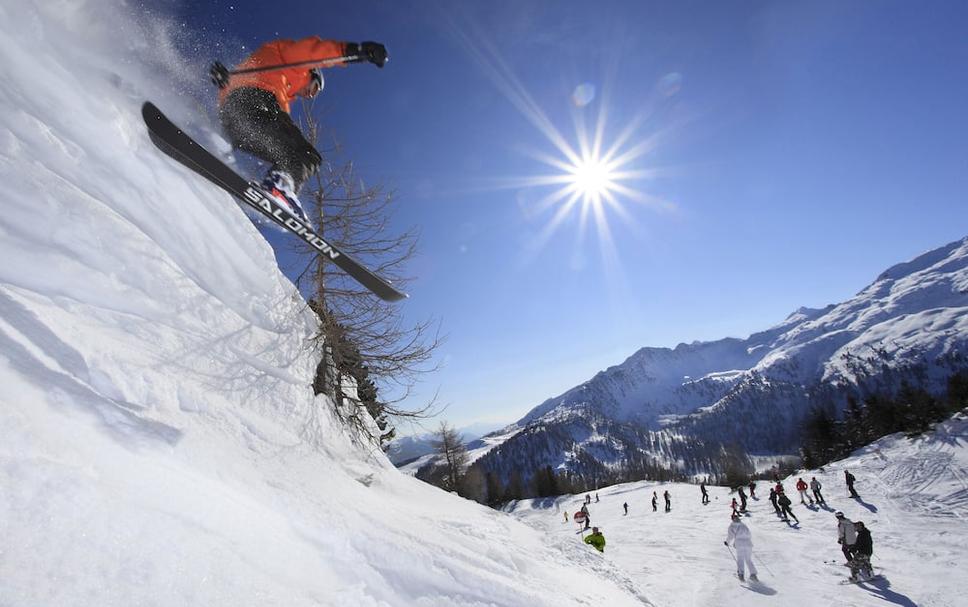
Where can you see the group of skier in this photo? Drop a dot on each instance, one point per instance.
(854, 537)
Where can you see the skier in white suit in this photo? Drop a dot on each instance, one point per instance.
(741, 538)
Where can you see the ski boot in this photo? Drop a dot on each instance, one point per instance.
(281, 187)
(740, 576)
(753, 578)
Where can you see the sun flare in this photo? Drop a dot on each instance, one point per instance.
(597, 173)
(592, 178)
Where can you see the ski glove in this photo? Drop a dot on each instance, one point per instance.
(374, 52)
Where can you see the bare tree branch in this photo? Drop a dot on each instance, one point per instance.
(361, 335)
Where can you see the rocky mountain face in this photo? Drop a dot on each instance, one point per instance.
(679, 406)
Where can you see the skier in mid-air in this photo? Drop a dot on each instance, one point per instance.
(254, 106)
(739, 534)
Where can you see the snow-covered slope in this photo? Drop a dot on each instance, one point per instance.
(159, 441)
(756, 391)
(914, 499)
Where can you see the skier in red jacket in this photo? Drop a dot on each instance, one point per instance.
(254, 106)
(802, 487)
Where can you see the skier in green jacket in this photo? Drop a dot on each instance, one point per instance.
(596, 539)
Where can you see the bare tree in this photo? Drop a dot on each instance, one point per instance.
(454, 454)
(360, 335)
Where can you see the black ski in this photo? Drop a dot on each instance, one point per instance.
(174, 142)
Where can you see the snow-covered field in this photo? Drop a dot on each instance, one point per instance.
(159, 440)
(914, 499)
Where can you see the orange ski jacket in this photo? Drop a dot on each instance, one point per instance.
(285, 84)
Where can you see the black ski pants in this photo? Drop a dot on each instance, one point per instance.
(848, 550)
(256, 124)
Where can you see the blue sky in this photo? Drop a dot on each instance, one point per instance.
(782, 155)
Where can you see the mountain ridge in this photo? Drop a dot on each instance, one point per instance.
(913, 314)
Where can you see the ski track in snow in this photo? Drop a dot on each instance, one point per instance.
(913, 499)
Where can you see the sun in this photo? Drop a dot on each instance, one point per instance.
(600, 172)
(592, 178)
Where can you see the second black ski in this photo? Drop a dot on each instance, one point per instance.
(174, 142)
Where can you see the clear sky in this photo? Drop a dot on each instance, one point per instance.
(765, 156)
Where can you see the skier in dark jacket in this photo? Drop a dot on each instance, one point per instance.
(753, 490)
(849, 478)
(863, 550)
(254, 106)
(773, 501)
(742, 499)
(705, 494)
(626, 506)
(655, 502)
(785, 502)
(668, 501)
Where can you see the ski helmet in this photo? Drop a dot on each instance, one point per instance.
(839, 515)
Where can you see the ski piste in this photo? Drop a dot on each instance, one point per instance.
(874, 578)
(174, 142)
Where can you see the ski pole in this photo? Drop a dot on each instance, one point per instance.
(220, 74)
(765, 566)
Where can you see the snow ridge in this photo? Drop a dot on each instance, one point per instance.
(159, 439)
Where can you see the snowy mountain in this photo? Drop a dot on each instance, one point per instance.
(677, 405)
(913, 499)
(160, 443)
